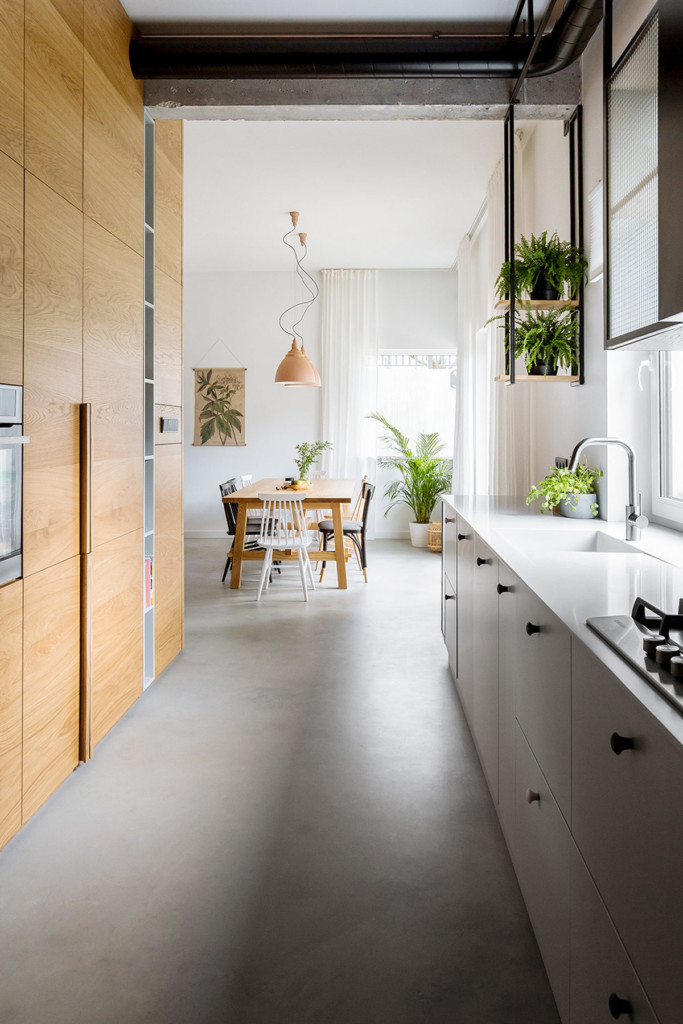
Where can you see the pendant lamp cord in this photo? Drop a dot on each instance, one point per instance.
(304, 277)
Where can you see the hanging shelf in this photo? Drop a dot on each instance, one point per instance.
(556, 378)
(504, 304)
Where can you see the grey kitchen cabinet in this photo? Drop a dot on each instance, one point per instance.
(485, 661)
(449, 621)
(449, 541)
(542, 845)
(464, 680)
(511, 592)
(603, 980)
(627, 820)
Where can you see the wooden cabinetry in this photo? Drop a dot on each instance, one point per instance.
(12, 80)
(168, 544)
(11, 613)
(627, 818)
(11, 265)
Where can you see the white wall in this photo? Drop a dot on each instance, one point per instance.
(242, 310)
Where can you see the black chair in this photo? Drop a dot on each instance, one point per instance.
(354, 529)
(252, 528)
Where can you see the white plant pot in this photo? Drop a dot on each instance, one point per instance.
(419, 534)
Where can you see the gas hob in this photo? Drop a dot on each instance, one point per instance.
(651, 641)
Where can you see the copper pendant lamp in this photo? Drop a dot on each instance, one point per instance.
(296, 369)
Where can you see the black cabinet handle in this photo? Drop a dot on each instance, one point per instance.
(449, 597)
(531, 628)
(532, 797)
(483, 561)
(462, 536)
(447, 520)
(618, 1006)
(619, 743)
(502, 589)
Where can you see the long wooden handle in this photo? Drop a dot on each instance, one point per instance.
(85, 732)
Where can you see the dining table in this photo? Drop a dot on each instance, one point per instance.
(334, 495)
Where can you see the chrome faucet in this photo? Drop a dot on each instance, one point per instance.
(635, 520)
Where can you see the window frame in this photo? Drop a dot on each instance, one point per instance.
(668, 511)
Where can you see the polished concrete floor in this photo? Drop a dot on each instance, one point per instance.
(289, 827)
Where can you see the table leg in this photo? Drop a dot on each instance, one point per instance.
(339, 546)
(238, 546)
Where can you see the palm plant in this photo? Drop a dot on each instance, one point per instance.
(424, 475)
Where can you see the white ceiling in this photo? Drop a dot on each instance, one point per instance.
(382, 194)
(490, 14)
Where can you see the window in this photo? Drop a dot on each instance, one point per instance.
(667, 492)
(414, 393)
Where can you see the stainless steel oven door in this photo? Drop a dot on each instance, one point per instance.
(11, 448)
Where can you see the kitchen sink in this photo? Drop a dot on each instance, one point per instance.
(540, 541)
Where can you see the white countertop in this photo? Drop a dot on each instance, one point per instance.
(576, 585)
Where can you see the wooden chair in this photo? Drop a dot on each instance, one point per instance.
(230, 509)
(354, 529)
(284, 528)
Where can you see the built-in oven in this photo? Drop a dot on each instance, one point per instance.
(12, 443)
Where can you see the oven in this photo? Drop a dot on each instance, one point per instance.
(12, 444)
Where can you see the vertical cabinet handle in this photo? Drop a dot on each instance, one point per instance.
(531, 628)
(619, 743)
(532, 797)
(618, 1006)
(502, 589)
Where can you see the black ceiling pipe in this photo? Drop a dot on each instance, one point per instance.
(366, 57)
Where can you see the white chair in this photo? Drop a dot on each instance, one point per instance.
(252, 513)
(284, 528)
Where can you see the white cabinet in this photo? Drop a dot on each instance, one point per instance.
(485, 661)
(464, 677)
(604, 985)
(511, 594)
(542, 851)
(627, 820)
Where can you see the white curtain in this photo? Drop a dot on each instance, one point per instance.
(510, 426)
(464, 442)
(349, 370)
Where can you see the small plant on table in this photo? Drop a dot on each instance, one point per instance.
(308, 453)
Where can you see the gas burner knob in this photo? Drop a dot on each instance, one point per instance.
(676, 667)
(664, 654)
(652, 642)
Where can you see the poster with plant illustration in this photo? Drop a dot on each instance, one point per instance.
(219, 407)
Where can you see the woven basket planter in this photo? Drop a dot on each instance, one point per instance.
(434, 537)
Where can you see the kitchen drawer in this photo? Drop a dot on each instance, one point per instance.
(603, 981)
(542, 861)
(449, 622)
(485, 662)
(449, 542)
(540, 652)
(627, 818)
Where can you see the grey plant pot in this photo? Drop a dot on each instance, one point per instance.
(583, 504)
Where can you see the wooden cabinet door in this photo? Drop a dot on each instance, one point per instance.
(11, 613)
(508, 618)
(465, 642)
(540, 654)
(11, 265)
(542, 859)
(627, 815)
(603, 980)
(485, 662)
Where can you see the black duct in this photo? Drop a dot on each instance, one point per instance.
(366, 57)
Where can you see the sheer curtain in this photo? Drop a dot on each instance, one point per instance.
(349, 370)
(464, 441)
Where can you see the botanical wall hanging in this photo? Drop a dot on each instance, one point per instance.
(219, 407)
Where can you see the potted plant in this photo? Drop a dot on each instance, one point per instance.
(545, 268)
(571, 492)
(546, 340)
(423, 476)
(307, 453)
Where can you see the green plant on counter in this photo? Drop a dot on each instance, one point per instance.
(308, 452)
(561, 264)
(424, 475)
(565, 485)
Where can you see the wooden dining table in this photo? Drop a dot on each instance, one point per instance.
(321, 494)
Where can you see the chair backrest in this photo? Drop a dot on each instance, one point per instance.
(229, 487)
(318, 474)
(368, 491)
(245, 481)
(283, 522)
(358, 507)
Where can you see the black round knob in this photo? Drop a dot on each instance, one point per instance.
(665, 653)
(618, 1006)
(531, 628)
(449, 597)
(502, 589)
(483, 561)
(652, 642)
(676, 667)
(462, 536)
(619, 743)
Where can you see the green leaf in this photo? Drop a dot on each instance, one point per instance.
(207, 431)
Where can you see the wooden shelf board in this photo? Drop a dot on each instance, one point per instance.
(539, 304)
(554, 379)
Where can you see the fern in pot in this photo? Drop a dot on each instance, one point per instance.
(423, 476)
(546, 267)
(547, 340)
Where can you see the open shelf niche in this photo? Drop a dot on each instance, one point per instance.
(148, 447)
